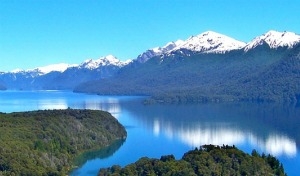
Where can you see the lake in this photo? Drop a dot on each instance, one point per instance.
(155, 130)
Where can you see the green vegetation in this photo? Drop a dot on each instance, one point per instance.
(46, 142)
(261, 75)
(209, 160)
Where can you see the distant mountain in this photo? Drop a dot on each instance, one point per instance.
(145, 56)
(62, 76)
(102, 68)
(45, 70)
(207, 42)
(264, 72)
(210, 42)
(274, 40)
(109, 60)
(206, 67)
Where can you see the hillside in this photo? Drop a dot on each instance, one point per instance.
(61, 76)
(47, 142)
(261, 74)
(208, 160)
(208, 67)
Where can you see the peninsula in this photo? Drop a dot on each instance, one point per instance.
(46, 142)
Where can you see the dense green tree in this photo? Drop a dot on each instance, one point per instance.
(209, 160)
(46, 142)
(266, 75)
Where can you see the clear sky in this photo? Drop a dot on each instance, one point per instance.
(37, 33)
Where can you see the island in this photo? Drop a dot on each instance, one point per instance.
(206, 161)
(46, 142)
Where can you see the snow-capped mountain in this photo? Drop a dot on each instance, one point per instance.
(51, 68)
(67, 76)
(103, 61)
(274, 39)
(187, 75)
(157, 51)
(61, 67)
(55, 67)
(62, 76)
(210, 42)
(207, 42)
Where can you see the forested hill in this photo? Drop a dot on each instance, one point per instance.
(46, 142)
(261, 74)
(208, 160)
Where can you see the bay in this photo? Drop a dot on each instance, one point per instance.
(155, 130)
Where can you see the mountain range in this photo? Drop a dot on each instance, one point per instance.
(61, 76)
(206, 67)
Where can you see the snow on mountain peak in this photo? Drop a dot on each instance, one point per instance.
(103, 61)
(54, 67)
(210, 42)
(18, 70)
(157, 51)
(171, 45)
(275, 39)
(47, 69)
(207, 42)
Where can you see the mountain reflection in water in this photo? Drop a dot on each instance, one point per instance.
(222, 133)
(156, 130)
(264, 127)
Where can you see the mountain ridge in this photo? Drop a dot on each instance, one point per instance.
(274, 39)
(168, 74)
(206, 42)
(262, 75)
(210, 42)
(87, 64)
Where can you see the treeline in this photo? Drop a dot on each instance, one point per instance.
(46, 142)
(260, 75)
(206, 161)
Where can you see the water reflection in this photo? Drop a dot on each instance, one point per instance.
(216, 136)
(52, 104)
(110, 105)
(263, 128)
(281, 145)
(222, 133)
(174, 129)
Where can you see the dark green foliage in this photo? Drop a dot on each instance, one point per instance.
(260, 75)
(46, 142)
(209, 160)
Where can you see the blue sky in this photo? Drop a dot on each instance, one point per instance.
(41, 32)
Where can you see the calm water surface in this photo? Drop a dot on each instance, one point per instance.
(156, 130)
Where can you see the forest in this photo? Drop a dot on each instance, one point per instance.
(46, 142)
(260, 75)
(208, 160)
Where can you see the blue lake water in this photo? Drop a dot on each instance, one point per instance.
(155, 130)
